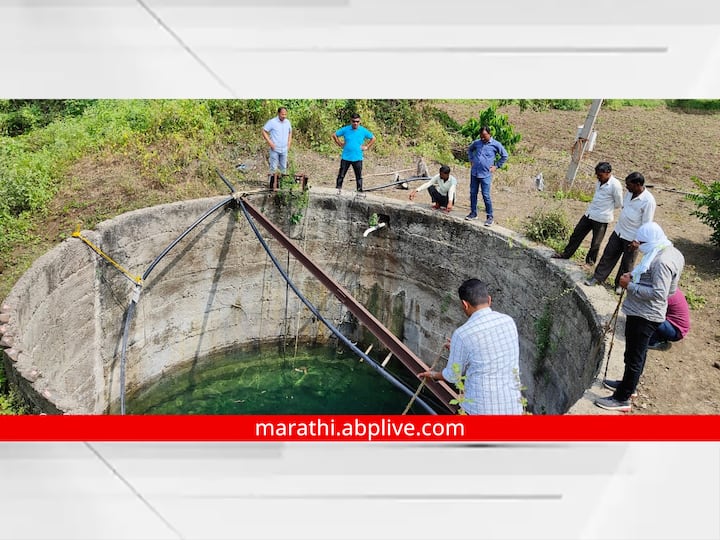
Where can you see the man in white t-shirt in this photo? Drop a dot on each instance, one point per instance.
(277, 132)
(442, 189)
(601, 211)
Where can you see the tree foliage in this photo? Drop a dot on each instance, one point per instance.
(500, 128)
(19, 116)
(708, 199)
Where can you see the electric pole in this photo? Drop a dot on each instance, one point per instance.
(582, 140)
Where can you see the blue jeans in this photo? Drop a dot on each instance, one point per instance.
(475, 185)
(665, 332)
(277, 159)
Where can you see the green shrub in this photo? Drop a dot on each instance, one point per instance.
(499, 125)
(544, 226)
(695, 104)
(292, 197)
(19, 116)
(435, 143)
(545, 104)
(231, 112)
(10, 404)
(314, 123)
(445, 120)
(402, 117)
(709, 197)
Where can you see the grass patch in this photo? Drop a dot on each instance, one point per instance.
(573, 193)
(689, 280)
(618, 104)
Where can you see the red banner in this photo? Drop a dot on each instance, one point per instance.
(360, 428)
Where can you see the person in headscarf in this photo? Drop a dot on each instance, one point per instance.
(648, 287)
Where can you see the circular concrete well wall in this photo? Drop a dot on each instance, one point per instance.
(217, 289)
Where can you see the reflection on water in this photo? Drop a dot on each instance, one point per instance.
(316, 380)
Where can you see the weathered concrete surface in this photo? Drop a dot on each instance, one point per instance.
(218, 289)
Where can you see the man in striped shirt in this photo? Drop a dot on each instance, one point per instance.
(484, 356)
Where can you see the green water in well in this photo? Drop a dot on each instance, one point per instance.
(315, 380)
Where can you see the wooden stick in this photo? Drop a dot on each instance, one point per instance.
(607, 328)
(422, 383)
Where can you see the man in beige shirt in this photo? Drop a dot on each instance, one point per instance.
(442, 189)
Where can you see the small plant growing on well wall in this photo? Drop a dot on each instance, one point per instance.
(294, 195)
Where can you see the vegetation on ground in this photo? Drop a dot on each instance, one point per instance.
(549, 227)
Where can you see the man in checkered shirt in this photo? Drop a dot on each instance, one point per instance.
(485, 352)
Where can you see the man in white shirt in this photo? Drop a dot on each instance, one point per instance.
(638, 208)
(442, 189)
(601, 211)
(277, 132)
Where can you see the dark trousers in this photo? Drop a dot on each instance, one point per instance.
(583, 227)
(637, 338)
(357, 169)
(616, 248)
(441, 200)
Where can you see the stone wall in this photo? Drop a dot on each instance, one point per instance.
(218, 289)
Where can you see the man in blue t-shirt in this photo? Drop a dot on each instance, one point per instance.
(353, 145)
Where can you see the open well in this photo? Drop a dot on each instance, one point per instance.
(218, 290)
